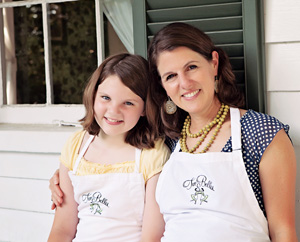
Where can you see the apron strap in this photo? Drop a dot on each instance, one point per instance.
(82, 153)
(137, 160)
(177, 147)
(235, 128)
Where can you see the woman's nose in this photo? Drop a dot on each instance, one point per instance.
(184, 81)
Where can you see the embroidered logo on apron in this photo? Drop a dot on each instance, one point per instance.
(199, 185)
(96, 202)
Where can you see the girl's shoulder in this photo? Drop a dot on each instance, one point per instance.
(153, 160)
(71, 148)
(160, 147)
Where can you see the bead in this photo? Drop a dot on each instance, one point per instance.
(218, 120)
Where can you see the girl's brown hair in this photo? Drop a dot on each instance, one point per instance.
(177, 35)
(133, 72)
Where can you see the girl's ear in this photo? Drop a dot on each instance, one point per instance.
(143, 113)
(215, 61)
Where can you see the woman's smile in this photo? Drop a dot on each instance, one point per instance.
(191, 94)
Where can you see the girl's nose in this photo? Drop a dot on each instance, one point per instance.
(114, 108)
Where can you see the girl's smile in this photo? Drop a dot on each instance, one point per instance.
(117, 108)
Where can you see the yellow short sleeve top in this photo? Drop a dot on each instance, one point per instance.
(152, 160)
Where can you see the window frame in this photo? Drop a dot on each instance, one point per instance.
(48, 113)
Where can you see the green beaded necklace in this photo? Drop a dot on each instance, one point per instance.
(218, 120)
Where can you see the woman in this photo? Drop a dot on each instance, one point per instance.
(246, 192)
(232, 174)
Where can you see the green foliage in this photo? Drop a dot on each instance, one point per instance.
(74, 53)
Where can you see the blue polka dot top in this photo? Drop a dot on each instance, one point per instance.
(258, 131)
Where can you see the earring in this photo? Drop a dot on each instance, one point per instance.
(216, 84)
(170, 106)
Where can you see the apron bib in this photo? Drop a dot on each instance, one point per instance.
(208, 197)
(111, 205)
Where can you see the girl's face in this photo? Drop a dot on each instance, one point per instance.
(117, 108)
(188, 78)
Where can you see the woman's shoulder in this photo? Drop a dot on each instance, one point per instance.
(260, 122)
(258, 131)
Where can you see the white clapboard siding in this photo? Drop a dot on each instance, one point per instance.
(40, 113)
(34, 138)
(282, 105)
(28, 165)
(282, 20)
(282, 37)
(29, 155)
(25, 194)
(22, 226)
(282, 66)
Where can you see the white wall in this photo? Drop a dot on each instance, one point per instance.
(282, 37)
(28, 157)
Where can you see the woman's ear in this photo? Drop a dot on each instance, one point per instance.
(215, 61)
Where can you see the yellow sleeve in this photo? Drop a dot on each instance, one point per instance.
(153, 160)
(70, 150)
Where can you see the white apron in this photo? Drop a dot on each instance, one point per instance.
(111, 205)
(208, 197)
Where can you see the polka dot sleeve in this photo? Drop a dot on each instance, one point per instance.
(258, 131)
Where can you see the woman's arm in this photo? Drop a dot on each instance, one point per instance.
(66, 216)
(56, 192)
(277, 172)
(153, 222)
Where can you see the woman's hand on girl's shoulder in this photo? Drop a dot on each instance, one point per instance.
(56, 192)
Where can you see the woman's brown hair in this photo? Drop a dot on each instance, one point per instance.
(177, 35)
(133, 72)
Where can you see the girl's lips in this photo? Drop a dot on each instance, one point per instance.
(113, 121)
(191, 94)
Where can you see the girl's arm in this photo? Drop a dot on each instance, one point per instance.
(277, 172)
(66, 216)
(153, 222)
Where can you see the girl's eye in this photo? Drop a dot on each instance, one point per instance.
(129, 103)
(170, 76)
(105, 97)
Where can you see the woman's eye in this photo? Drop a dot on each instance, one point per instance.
(170, 76)
(105, 97)
(191, 67)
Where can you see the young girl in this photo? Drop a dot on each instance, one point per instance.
(109, 170)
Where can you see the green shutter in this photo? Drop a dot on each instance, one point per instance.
(234, 25)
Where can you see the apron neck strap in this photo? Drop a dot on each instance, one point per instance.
(86, 145)
(137, 160)
(82, 152)
(235, 128)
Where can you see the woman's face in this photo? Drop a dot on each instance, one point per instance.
(188, 78)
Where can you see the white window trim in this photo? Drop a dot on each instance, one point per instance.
(47, 113)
